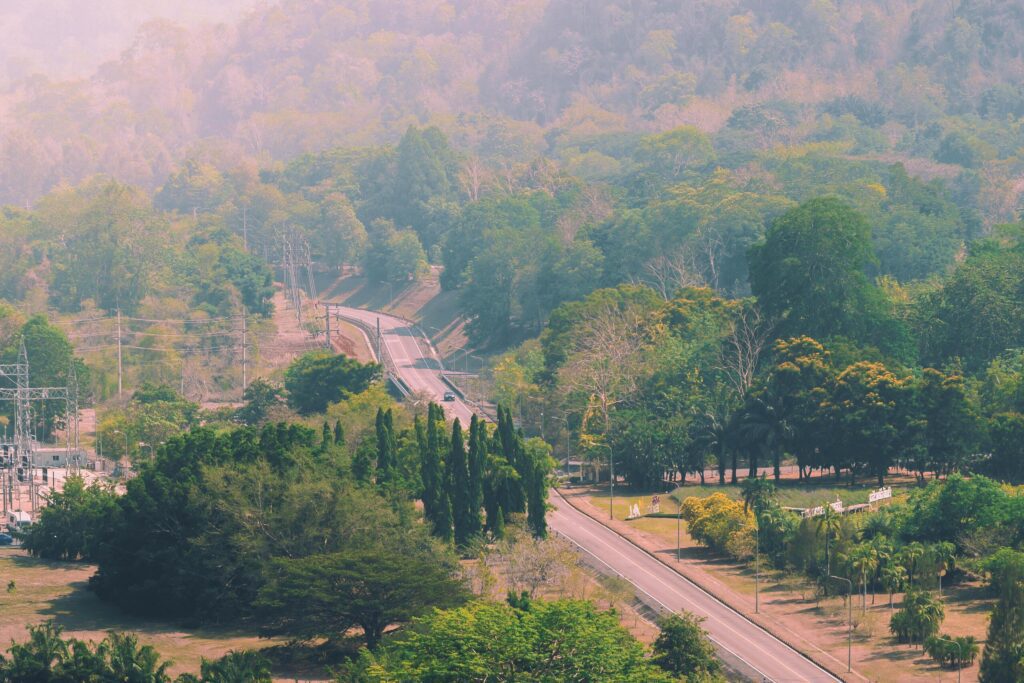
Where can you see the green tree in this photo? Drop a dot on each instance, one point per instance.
(537, 454)
(1003, 658)
(951, 428)
(1006, 435)
(241, 666)
(51, 358)
(477, 466)
(73, 523)
(682, 648)
(319, 378)
(550, 641)
(918, 618)
(871, 412)
(457, 477)
(810, 273)
(386, 446)
(388, 582)
(260, 398)
(953, 655)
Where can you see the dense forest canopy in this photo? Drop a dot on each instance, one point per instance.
(509, 80)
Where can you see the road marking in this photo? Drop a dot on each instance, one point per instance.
(720, 619)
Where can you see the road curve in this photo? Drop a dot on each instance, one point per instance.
(747, 647)
(416, 361)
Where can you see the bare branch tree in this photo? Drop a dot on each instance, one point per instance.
(668, 273)
(709, 242)
(749, 335)
(472, 177)
(606, 363)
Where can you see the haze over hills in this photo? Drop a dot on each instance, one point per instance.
(506, 79)
(60, 39)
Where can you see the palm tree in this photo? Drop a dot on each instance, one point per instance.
(245, 666)
(129, 662)
(710, 436)
(758, 493)
(763, 429)
(830, 523)
(44, 652)
(864, 561)
(943, 557)
(894, 579)
(910, 557)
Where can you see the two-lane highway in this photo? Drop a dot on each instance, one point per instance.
(745, 645)
(416, 362)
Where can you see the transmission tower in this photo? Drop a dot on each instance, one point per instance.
(19, 451)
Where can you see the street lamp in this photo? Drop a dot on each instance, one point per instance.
(565, 421)
(959, 652)
(849, 623)
(611, 481)
(143, 444)
(757, 563)
(679, 516)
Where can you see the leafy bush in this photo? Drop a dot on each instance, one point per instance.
(961, 652)
(918, 619)
(718, 522)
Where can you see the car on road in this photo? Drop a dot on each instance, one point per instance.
(6, 539)
(449, 396)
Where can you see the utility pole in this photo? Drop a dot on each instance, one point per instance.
(245, 229)
(757, 565)
(244, 330)
(119, 387)
(327, 326)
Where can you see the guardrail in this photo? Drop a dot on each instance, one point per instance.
(384, 355)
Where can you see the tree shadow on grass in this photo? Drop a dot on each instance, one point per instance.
(81, 610)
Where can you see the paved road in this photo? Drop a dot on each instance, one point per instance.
(415, 359)
(753, 650)
(748, 647)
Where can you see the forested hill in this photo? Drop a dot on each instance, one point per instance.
(509, 79)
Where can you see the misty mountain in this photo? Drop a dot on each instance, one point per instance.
(301, 75)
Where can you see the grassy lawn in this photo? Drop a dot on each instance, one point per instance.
(58, 591)
(790, 494)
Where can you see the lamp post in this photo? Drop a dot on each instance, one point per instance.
(757, 563)
(611, 481)
(959, 654)
(679, 516)
(565, 422)
(143, 444)
(849, 623)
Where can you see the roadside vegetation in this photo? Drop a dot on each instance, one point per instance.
(703, 243)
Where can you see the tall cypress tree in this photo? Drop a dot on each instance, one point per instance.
(477, 455)
(537, 495)
(458, 480)
(326, 438)
(430, 469)
(443, 523)
(1003, 659)
(385, 447)
(511, 445)
(339, 433)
